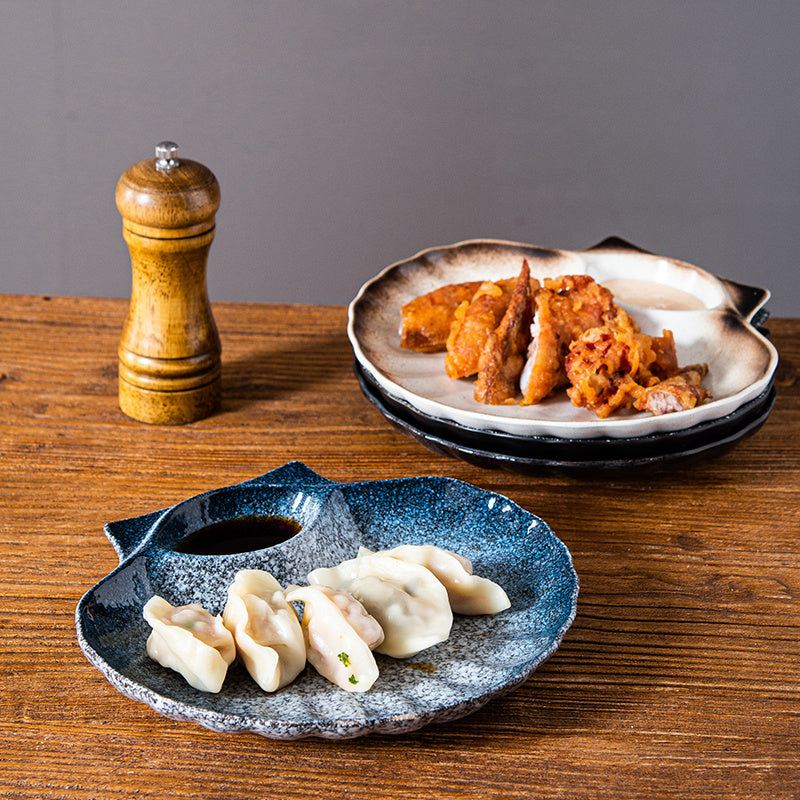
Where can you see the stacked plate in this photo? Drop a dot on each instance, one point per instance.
(714, 321)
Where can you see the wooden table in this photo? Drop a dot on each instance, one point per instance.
(679, 678)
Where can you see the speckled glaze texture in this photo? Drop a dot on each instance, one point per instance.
(484, 657)
(723, 332)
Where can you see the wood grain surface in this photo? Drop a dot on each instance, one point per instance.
(680, 677)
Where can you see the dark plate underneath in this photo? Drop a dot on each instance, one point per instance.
(495, 449)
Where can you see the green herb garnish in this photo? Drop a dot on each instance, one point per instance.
(344, 658)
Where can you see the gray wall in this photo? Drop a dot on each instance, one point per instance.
(348, 134)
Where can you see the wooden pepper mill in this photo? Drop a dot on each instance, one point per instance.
(169, 352)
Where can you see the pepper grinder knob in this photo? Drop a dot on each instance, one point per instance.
(169, 351)
(167, 156)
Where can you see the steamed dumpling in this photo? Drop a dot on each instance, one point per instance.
(265, 627)
(468, 593)
(189, 640)
(408, 601)
(339, 636)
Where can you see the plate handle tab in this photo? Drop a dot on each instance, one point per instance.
(295, 473)
(617, 243)
(127, 534)
(748, 300)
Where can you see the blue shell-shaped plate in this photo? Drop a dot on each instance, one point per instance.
(483, 658)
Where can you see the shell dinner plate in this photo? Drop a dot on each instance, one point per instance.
(485, 656)
(712, 319)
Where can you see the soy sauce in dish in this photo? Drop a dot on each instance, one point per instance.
(238, 535)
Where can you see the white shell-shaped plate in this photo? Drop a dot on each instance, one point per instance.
(712, 324)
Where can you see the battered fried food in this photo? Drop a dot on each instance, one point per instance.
(473, 322)
(503, 355)
(600, 366)
(524, 340)
(677, 393)
(564, 308)
(658, 359)
(610, 366)
(427, 318)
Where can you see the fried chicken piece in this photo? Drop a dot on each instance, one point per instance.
(676, 393)
(503, 355)
(658, 358)
(601, 366)
(543, 370)
(427, 318)
(473, 322)
(612, 366)
(565, 307)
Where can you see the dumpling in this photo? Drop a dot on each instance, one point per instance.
(189, 640)
(265, 627)
(339, 636)
(408, 601)
(468, 593)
